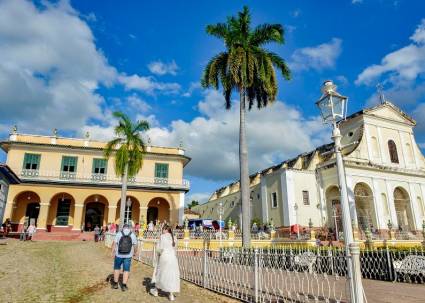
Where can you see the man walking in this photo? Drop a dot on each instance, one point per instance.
(123, 249)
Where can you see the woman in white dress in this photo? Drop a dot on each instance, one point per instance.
(166, 273)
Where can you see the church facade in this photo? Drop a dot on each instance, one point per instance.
(385, 172)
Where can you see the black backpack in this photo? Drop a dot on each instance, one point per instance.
(125, 244)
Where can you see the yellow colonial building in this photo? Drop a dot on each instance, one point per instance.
(68, 185)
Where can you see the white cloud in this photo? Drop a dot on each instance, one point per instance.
(317, 57)
(296, 13)
(50, 67)
(136, 104)
(160, 68)
(356, 1)
(401, 66)
(148, 84)
(192, 87)
(211, 140)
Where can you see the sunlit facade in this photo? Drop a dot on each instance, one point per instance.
(68, 185)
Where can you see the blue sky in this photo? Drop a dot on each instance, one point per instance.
(69, 64)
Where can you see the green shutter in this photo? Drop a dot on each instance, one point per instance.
(161, 170)
(33, 160)
(99, 164)
(69, 161)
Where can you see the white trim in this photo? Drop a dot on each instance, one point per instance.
(288, 198)
(403, 150)
(414, 150)
(79, 205)
(264, 200)
(181, 208)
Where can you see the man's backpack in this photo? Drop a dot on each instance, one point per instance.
(125, 244)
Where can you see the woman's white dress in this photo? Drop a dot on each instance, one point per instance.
(167, 273)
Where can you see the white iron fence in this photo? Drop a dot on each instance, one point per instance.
(262, 275)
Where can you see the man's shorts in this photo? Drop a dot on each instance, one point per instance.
(125, 262)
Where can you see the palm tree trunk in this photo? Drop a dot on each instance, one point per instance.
(124, 180)
(244, 174)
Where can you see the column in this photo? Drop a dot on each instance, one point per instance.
(8, 211)
(264, 200)
(112, 212)
(414, 207)
(143, 215)
(369, 147)
(383, 147)
(416, 156)
(42, 216)
(377, 201)
(390, 195)
(181, 208)
(78, 216)
(288, 198)
(403, 151)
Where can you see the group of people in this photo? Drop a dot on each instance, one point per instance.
(27, 232)
(166, 275)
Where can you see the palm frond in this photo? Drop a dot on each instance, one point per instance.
(266, 33)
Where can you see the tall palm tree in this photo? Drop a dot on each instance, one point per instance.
(129, 149)
(248, 68)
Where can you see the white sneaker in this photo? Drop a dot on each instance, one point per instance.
(153, 292)
(171, 297)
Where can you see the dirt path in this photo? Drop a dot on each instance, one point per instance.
(76, 272)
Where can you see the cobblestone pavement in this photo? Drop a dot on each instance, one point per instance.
(76, 272)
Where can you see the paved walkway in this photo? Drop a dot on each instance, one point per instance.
(75, 272)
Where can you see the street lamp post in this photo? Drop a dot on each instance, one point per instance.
(333, 107)
(128, 204)
(220, 211)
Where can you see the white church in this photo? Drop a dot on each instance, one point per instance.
(385, 172)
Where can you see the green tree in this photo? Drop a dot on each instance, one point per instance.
(248, 68)
(192, 204)
(129, 149)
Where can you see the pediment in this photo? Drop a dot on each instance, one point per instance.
(391, 112)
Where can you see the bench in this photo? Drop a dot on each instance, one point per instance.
(306, 259)
(411, 265)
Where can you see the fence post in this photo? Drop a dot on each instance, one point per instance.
(205, 269)
(390, 271)
(256, 275)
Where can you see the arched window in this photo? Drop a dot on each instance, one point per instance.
(392, 148)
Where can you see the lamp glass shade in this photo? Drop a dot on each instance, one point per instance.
(332, 106)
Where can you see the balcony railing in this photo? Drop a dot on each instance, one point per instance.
(92, 178)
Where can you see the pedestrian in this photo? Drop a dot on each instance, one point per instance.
(23, 234)
(151, 226)
(166, 272)
(123, 249)
(31, 231)
(96, 233)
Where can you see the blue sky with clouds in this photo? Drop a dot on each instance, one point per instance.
(69, 64)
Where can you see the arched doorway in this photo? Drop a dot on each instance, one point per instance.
(365, 209)
(32, 212)
(158, 209)
(334, 213)
(61, 210)
(95, 213)
(26, 208)
(131, 213)
(403, 209)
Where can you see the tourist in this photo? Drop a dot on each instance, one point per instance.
(96, 233)
(166, 272)
(31, 231)
(23, 234)
(254, 228)
(123, 249)
(151, 226)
